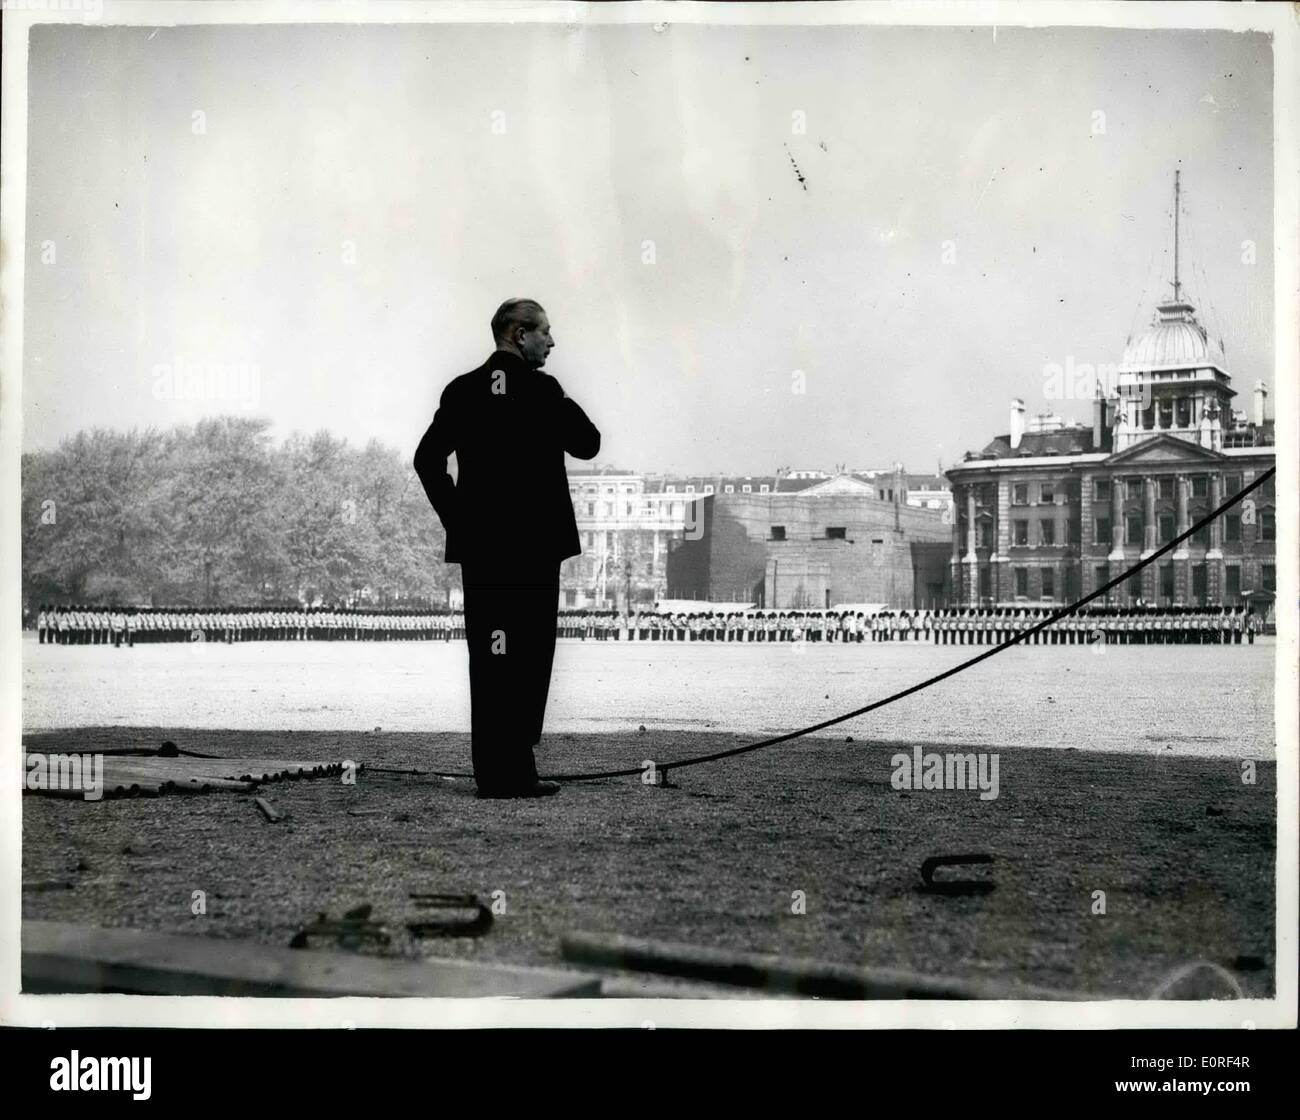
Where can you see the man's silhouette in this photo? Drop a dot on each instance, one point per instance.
(509, 522)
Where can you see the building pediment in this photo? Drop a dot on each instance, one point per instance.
(1163, 449)
(840, 484)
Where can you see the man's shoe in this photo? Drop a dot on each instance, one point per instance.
(541, 789)
(536, 789)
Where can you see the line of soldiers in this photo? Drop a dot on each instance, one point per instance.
(1138, 625)
(118, 626)
(1132, 625)
(748, 626)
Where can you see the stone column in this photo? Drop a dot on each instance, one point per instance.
(1214, 554)
(972, 542)
(1150, 539)
(971, 556)
(1116, 519)
(1181, 486)
(1182, 568)
(1148, 516)
(1001, 541)
(1216, 526)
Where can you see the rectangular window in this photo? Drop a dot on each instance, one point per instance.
(764, 488)
(1266, 491)
(1166, 581)
(690, 489)
(1232, 582)
(1202, 537)
(835, 532)
(1198, 583)
(986, 534)
(1267, 527)
(986, 585)
(671, 489)
(1200, 486)
(591, 509)
(778, 532)
(708, 489)
(609, 509)
(1021, 527)
(1232, 528)
(1072, 528)
(1165, 489)
(1046, 493)
(746, 489)
(1101, 490)
(1167, 524)
(1099, 576)
(1020, 494)
(1047, 532)
(1268, 576)
(570, 598)
(1231, 485)
(1101, 534)
(729, 489)
(1022, 582)
(1049, 583)
(1135, 489)
(1165, 410)
(629, 509)
(1133, 529)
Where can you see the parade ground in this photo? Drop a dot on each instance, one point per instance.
(1120, 772)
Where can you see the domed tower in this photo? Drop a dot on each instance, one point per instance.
(1171, 379)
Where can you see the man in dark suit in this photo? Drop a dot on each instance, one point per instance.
(509, 522)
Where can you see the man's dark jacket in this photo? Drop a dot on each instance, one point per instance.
(509, 425)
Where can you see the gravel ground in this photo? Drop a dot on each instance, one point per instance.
(1183, 850)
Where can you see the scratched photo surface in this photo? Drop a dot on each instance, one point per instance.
(572, 647)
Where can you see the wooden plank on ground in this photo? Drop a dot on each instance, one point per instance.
(125, 775)
(61, 957)
(783, 975)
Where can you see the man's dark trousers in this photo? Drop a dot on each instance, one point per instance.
(510, 620)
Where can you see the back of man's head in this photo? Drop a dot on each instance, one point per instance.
(512, 314)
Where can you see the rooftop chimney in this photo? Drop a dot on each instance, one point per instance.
(1017, 422)
(1098, 419)
(1261, 391)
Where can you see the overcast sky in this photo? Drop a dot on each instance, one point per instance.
(354, 202)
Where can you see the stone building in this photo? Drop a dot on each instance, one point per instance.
(626, 524)
(805, 542)
(1051, 511)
